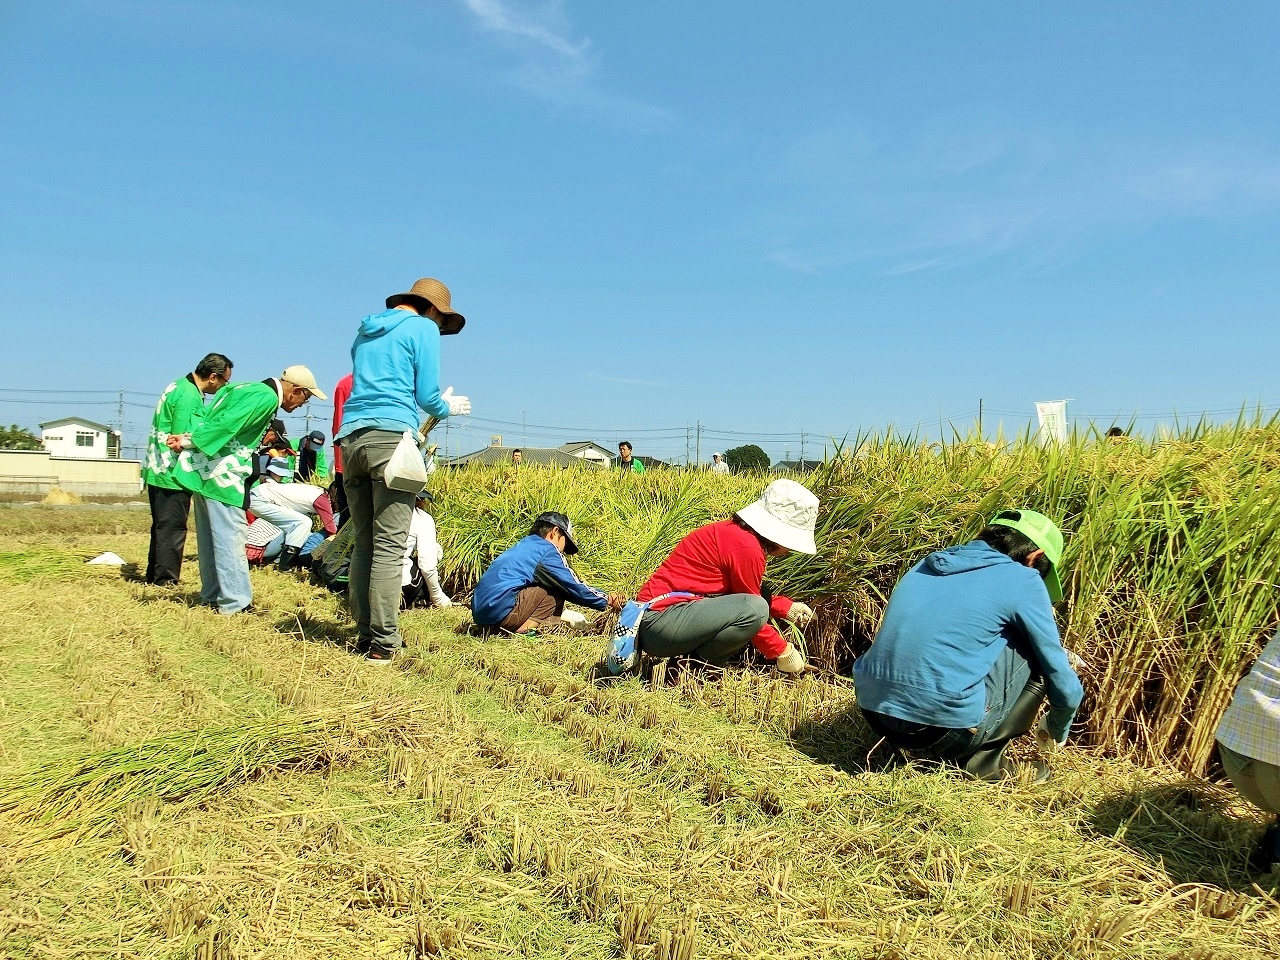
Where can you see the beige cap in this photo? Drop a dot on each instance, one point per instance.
(303, 377)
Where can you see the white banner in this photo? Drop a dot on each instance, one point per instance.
(1053, 420)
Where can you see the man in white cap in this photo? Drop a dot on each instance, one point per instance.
(395, 372)
(717, 463)
(215, 462)
(719, 568)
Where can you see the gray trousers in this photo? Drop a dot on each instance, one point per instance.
(381, 517)
(1257, 781)
(713, 629)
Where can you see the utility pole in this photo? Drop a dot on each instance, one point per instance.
(698, 448)
(524, 431)
(308, 418)
(686, 444)
(980, 434)
(119, 426)
(801, 449)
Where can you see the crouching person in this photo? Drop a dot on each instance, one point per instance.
(420, 584)
(969, 650)
(1249, 744)
(718, 570)
(290, 506)
(526, 587)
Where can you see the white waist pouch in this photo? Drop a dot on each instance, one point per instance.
(406, 471)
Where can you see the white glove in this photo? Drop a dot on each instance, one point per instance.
(1076, 661)
(458, 406)
(791, 660)
(801, 614)
(1044, 739)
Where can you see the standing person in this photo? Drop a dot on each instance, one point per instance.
(968, 651)
(396, 372)
(722, 565)
(526, 587)
(215, 464)
(1249, 745)
(180, 408)
(626, 462)
(311, 461)
(290, 506)
(337, 493)
(717, 463)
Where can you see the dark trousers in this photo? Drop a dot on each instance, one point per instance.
(169, 509)
(338, 499)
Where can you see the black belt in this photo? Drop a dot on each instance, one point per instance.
(904, 733)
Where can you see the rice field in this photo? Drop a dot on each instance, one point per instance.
(176, 784)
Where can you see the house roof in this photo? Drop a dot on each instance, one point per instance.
(80, 421)
(650, 462)
(578, 445)
(797, 466)
(529, 456)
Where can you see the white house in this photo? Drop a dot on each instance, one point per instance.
(74, 437)
(589, 450)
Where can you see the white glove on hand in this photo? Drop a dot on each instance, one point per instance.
(801, 614)
(1044, 739)
(458, 406)
(1076, 661)
(791, 660)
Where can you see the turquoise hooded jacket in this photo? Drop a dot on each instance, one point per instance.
(948, 620)
(395, 368)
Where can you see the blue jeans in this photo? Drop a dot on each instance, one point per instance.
(296, 526)
(224, 567)
(381, 519)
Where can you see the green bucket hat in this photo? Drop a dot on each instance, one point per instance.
(1044, 533)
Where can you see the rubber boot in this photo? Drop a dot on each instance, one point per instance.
(288, 559)
(435, 592)
(987, 762)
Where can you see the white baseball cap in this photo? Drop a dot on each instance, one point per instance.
(304, 378)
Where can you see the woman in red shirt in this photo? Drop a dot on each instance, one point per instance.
(722, 564)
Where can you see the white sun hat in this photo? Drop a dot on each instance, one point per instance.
(785, 513)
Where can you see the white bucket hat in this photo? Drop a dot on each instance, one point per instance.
(785, 513)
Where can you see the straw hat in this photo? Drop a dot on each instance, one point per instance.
(436, 294)
(786, 514)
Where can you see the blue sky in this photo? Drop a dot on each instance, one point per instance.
(770, 218)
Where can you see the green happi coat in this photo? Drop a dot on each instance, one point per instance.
(220, 460)
(180, 410)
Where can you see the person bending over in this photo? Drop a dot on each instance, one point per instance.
(968, 651)
(290, 506)
(526, 586)
(420, 583)
(1249, 744)
(722, 566)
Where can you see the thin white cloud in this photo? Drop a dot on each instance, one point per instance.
(952, 196)
(549, 63)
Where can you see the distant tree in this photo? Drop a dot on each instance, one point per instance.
(748, 457)
(14, 437)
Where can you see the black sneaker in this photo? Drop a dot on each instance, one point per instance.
(1266, 855)
(380, 658)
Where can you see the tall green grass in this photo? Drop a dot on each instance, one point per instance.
(1170, 567)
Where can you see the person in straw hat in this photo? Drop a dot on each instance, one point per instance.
(215, 462)
(719, 569)
(968, 651)
(395, 373)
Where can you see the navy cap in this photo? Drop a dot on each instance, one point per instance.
(561, 523)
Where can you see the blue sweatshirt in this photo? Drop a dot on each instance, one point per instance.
(947, 621)
(532, 561)
(395, 367)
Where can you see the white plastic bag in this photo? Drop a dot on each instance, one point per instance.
(405, 471)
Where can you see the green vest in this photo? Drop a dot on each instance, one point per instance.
(180, 409)
(220, 460)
